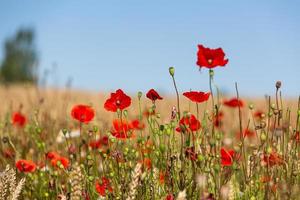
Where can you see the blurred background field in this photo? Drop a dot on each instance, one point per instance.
(55, 105)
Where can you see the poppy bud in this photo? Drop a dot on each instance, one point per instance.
(217, 168)
(270, 114)
(263, 137)
(172, 71)
(200, 157)
(64, 131)
(269, 150)
(168, 131)
(211, 73)
(125, 113)
(212, 142)
(278, 84)
(251, 106)
(5, 140)
(95, 128)
(252, 198)
(140, 94)
(273, 105)
(235, 166)
(91, 178)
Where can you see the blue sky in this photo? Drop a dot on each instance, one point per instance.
(105, 45)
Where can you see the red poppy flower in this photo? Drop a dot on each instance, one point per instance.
(218, 119)
(52, 155)
(272, 159)
(197, 97)
(297, 136)
(191, 154)
(121, 129)
(227, 157)
(96, 144)
(211, 58)
(8, 153)
(62, 160)
(169, 197)
(137, 124)
(162, 177)
(259, 114)
(103, 187)
(117, 100)
(25, 166)
(188, 122)
(18, 119)
(83, 113)
(153, 95)
(147, 163)
(247, 133)
(147, 113)
(234, 103)
(147, 147)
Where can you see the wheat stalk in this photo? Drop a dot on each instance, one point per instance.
(135, 178)
(18, 189)
(8, 184)
(181, 195)
(76, 181)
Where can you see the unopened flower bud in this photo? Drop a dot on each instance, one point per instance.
(251, 106)
(140, 94)
(263, 137)
(273, 105)
(172, 71)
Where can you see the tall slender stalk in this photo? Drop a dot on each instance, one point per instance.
(244, 165)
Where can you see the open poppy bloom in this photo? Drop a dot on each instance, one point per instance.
(211, 58)
(137, 124)
(188, 122)
(96, 144)
(169, 197)
(121, 129)
(25, 166)
(52, 155)
(117, 100)
(197, 97)
(218, 119)
(8, 153)
(153, 95)
(234, 103)
(272, 159)
(259, 114)
(191, 154)
(146, 163)
(18, 119)
(247, 133)
(56, 158)
(62, 160)
(161, 177)
(227, 157)
(103, 187)
(83, 113)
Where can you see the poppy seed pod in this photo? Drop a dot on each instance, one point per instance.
(278, 85)
(172, 71)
